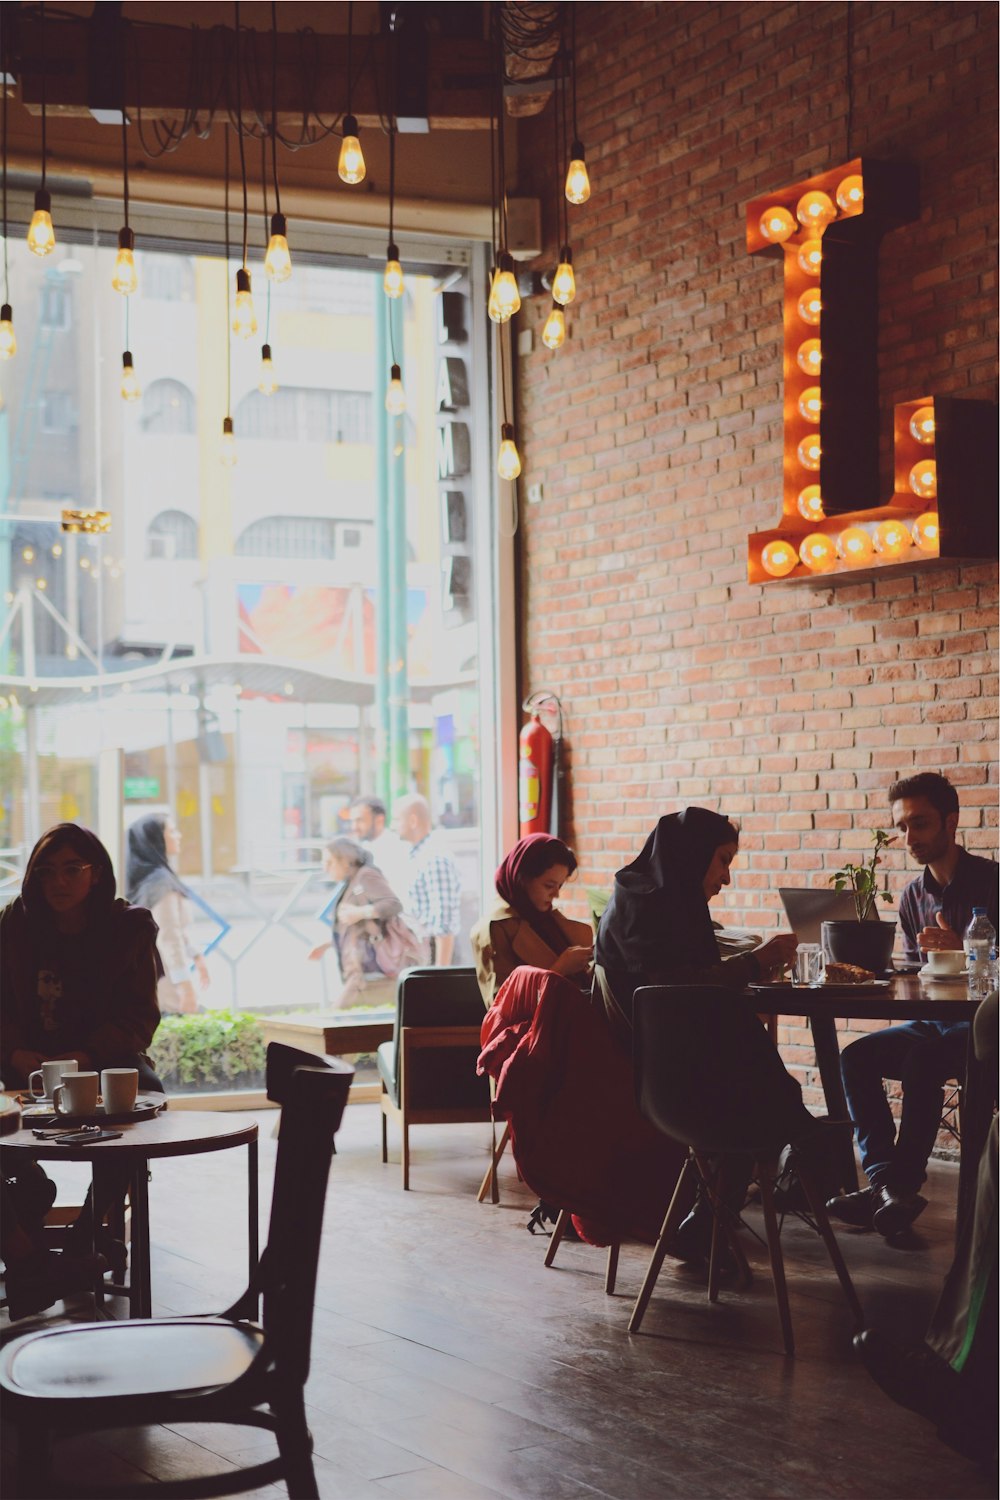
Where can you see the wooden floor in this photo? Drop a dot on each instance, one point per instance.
(448, 1364)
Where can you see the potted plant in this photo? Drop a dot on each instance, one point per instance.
(867, 941)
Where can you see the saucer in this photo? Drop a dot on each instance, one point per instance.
(928, 973)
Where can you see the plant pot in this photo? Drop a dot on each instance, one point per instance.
(867, 944)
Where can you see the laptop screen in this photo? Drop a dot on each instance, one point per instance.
(807, 909)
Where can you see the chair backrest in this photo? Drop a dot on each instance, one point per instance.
(706, 1072)
(441, 997)
(312, 1092)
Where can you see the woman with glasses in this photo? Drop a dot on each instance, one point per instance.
(78, 974)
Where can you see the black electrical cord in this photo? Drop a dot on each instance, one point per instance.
(3, 67)
(229, 341)
(274, 105)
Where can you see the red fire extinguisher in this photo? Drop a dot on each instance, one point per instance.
(534, 777)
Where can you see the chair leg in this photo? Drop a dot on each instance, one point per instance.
(557, 1235)
(660, 1248)
(406, 1153)
(611, 1274)
(295, 1445)
(819, 1213)
(385, 1141)
(714, 1258)
(776, 1258)
(490, 1184)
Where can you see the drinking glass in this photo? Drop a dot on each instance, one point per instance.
(809, 969)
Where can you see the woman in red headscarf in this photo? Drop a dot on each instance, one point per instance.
(524, 927)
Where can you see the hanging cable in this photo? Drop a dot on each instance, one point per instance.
(41, 235)
(227, 448)
(8, 341)
(244, 317)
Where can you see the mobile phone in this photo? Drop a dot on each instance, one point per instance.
(84, 1137)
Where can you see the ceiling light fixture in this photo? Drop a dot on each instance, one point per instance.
(351, 164)
(125, 279)
(277, 261)
(244, 317)
(577, 177)
(41, 235)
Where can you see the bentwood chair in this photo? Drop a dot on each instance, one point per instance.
(718, 1101)
(428, 1070)
(223, 1368)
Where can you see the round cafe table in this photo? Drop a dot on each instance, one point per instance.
(171, 1133)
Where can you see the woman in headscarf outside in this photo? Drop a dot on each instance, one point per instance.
(524, 928)
(150, 881)
(371, 936)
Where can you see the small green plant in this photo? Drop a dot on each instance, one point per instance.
(216, 1049)
(862, 879)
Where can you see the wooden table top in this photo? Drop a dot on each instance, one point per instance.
(181, 1133)
(907, 998)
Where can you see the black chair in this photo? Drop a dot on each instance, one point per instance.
(707, 1075)
(221, 1368)
(428, 1070)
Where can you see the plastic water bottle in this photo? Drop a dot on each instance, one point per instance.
(980, 943)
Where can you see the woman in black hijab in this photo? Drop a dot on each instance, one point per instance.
(150, 882)
(656, 928)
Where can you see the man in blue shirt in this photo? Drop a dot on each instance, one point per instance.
(934, 911)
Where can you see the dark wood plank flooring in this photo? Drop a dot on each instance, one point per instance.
(449, 1364)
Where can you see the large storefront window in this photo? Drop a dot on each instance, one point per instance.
(247, 650)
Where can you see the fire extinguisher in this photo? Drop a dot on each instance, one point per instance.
(539, 772)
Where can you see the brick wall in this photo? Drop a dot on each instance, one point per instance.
(656, 432)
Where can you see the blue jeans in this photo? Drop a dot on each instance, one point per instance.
(923, 1055)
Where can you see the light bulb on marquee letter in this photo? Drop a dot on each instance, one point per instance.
(810, 503)
(809, 403)
(855, 546)
(892, 539)
(923, 479)
(776, 225)
(922, 425)
(810, 257)
(925, 533)
(851, 195)
(810, 307)
(810, 453)
(818, 552)
(809, 357)
(778, 559)
(815, 211)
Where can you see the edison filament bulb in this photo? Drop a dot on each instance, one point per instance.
(776, 225)
(227, 447)
(809, 356)
(778, 559)
(268, 383)
(244, 317)
(125, 278)
(564, 282)
(577, 178)
(130, 384)
(505, 299)
(392, 279)
(41, 235)
(818, 552)
(8, 342)
(554, 332)
(815, 211)
(810, 307)
(278, 260)
(922, 425)
(855, 546)
(810, 503)
(351, 162)
(395, 396)
(923, 479)
(508, 458)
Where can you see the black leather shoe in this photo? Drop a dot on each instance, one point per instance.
(855, 1209)
(692, 1238)
(894, 1212)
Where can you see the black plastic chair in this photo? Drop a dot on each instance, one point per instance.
(707, 1075)
(428, 1070)
(221, 1368)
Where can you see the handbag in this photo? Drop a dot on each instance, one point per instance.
(399, 948)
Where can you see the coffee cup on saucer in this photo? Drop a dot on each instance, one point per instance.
(945, 963)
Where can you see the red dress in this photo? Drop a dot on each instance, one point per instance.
(566, 1089)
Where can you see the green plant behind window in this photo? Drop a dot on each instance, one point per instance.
(863, 879)
(218, 1048)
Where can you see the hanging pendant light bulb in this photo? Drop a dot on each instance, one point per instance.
(278, 261)
(564, 282)
(351, 163)
(41, 235)
(8, 342)
(267, 384)
(244, 317)
(392, 281)
(125, 279)
(227, 447)
(395, 396)
(554, 332)
(508, 458)
(577, 177)
(130, 388)
(505, 299)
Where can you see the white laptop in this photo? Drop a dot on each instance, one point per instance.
(808, 909)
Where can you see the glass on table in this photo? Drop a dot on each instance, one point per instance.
(809, 969)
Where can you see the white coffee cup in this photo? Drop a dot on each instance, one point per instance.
(945, 961)
(77, 1094)
(119, 1087)
(50, 1074)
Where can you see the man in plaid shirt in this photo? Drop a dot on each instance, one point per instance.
(435, 891)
